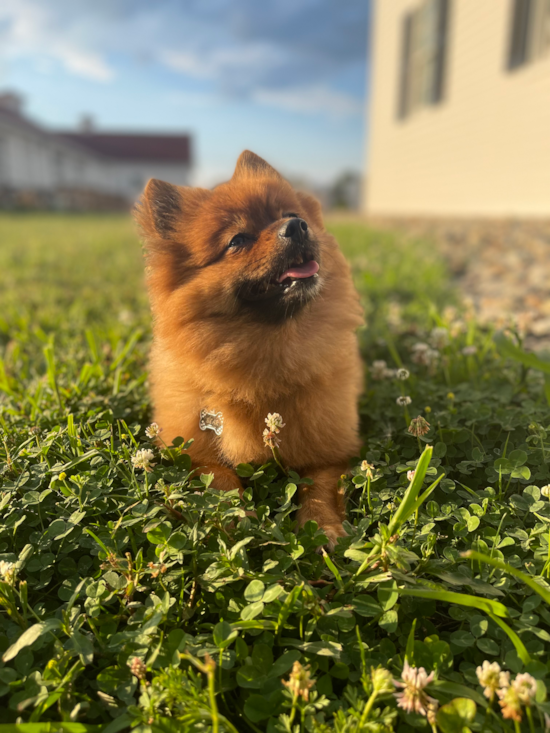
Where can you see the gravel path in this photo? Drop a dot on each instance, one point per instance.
(502, 265)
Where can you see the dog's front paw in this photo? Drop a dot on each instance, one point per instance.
(333, 531)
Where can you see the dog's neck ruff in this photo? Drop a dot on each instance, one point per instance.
(211, 421)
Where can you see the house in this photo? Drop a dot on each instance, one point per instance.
(459, 120)
(87, 169)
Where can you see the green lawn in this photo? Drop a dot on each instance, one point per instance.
(132, 599)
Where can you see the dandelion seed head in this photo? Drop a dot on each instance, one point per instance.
(402, 374)
(403, 400)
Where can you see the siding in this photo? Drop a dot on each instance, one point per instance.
(485, 150)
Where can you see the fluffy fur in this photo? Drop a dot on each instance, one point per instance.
(297, 356)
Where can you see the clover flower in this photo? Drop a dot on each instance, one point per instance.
(381, 680)
(489, 678)
(439, 337)
(403, 400)
(299, 682)
(137, 668)
(510, 703)
(368, 468)
(469, 350)
(274, 422)
(413, 698)
(153, 430)
(379, 370)
(410, 475)
(424, 355)
(402, 374)
(270, 439)
(545, 491)
(419, 426)
(143, 459)
(7, 571)
(526, 687)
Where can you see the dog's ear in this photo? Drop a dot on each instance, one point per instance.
(250, 165)
(164, 208)
(312, 207)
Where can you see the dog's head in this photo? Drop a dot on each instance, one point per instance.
(252, 246)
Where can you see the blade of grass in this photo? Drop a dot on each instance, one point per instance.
(523, 654)
(406, 508)
(480, 557)
(461, 599)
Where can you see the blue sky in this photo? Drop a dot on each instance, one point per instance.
(285, 78)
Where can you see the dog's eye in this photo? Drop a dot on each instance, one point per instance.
(290, 215)
(239, 240)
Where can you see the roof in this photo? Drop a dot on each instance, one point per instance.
(166, 148)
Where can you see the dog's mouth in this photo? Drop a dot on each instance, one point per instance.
(299, 270)
(299, 276)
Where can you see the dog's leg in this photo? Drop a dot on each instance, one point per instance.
(323, 501)
(225, 479)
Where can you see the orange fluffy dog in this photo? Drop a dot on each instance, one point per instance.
(254, 313)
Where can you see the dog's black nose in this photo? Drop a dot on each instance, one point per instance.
(294, 229)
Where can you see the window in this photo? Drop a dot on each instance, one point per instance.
(424, 45)
(529, 32)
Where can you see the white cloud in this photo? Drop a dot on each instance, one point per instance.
(30, 29)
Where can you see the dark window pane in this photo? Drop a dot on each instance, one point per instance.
(519, 35)
(403, 106)
(443, 16)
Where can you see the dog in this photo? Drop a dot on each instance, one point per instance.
(254, 313)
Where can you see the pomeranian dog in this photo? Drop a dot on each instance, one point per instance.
(254, 314)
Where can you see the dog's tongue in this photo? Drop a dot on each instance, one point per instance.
(307, 269)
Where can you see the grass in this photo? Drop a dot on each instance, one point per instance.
(148, 600)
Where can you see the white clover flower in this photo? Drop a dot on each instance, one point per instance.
(411, 475)
(489, 678)
(545, 491)
(510, 703)
(153, 430)
(526, 687)
(402, 374)
(424, 355)
(270, 439)
(138, 668)
(419, 426)
(381, 680)
(403, 400)
(299, 682)
(469, 350)
(274, 422)
(7, 571)
(379, 370)
(368, 468)
(143, 459)
(439, 337)
(413, 698)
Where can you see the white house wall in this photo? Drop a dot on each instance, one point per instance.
(31, 160)
(485, 150)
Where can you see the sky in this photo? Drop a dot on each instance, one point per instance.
(284, 78)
